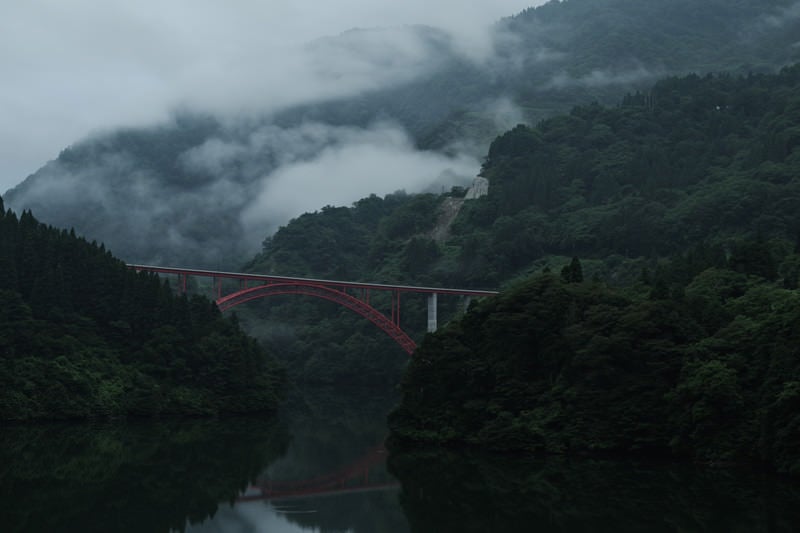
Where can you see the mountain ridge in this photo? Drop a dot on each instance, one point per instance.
(176, 193)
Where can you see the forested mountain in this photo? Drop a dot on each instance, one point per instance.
(201, 189)
(694, 160)
(648, 231)
(699, 169)
(82, 336)
(695, 185)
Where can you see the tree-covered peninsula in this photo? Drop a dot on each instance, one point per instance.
(83, 336)
(709, 371)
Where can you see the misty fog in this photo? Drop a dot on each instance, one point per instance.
(85, 71)
(193, 131)
(70, 69)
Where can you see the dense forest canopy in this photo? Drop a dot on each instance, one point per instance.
(694, 167)
(81, 336)
(696, 159)
(709, 370)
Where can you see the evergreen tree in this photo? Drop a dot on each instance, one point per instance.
(81, 336)
(572, 273)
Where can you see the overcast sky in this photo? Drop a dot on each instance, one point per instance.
(77, 67)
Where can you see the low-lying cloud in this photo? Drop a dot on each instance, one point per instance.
(380, 159)
(89, 67)
(76, 67)
(603, 78)
(214, 205)
(783, 16)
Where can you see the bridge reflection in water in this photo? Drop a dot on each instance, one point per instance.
(354, 477)
(352, 295)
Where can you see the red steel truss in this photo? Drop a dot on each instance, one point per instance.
(320, 291)
(333, 290)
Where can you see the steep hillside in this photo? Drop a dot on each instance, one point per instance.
(200, 190)
(694, 168)
(377, 239)
(690, 161)
(694, 160)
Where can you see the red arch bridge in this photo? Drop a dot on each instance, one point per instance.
(352, 295)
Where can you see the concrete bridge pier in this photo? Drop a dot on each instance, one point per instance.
(432, 301)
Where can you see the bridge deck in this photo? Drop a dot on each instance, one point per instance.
(327, 282)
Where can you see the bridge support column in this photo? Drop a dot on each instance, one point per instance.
(432, 301)
(182, 281)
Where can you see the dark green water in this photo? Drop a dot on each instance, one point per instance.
(321, 460)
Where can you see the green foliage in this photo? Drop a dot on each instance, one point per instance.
(377, 239)
(692, 162)
(572, 273)
(559, 366)
(695, 169)
(81, 336)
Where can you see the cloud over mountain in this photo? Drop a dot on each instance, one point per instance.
(73, 68)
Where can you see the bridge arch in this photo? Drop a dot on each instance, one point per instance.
(320, 291)
(353, 477)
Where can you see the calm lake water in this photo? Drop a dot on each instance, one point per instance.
(319, 466)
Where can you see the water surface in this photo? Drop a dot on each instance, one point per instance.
(319, 467)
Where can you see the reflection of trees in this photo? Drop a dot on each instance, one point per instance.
(332, 429)
(129, 477)
(447, 491)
